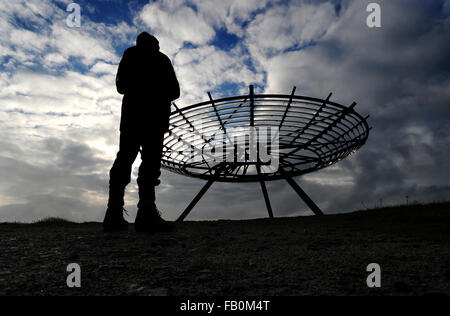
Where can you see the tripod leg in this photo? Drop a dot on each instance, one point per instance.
(195, 200)
(264, 191)
(266, 198)
(304, 196)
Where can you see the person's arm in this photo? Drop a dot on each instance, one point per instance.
(122, 73)
(174, 86)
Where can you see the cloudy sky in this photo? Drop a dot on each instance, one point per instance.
(60, 112)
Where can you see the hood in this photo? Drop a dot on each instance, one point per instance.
(147, 41)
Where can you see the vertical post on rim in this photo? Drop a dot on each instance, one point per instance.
(253, 143)
(287, 107)
(252, 106)
(252, 124)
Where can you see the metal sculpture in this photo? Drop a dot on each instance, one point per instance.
(309, 133)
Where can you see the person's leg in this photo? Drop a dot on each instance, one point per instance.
(150, 169)
(120, 176)
(120, 173)
(148, 218)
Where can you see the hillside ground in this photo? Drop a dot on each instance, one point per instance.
(285, 256)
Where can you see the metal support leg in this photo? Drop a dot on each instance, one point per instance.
(266, 198)
(218, 169)
(264, 191)
(304, 196)
(195, 200)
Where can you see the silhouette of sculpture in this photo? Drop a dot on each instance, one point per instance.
(148, 82)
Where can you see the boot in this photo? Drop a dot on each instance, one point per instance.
(114, 220)
(148, 218)
(150, 221)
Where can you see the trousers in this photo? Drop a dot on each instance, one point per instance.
(150, 144)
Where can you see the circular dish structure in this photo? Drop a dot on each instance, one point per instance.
(225, 140)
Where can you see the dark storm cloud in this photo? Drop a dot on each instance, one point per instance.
(400, 75)
(58, 189)
(47, 206)
(390, 72)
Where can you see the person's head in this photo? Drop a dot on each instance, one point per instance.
(147, 41)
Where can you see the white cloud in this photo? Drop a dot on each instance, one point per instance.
(206, 68)
(54, 59)
(282, 28)
(229, 14)
(285, 27)
(104, 68)
(78, 42)
(176, 25)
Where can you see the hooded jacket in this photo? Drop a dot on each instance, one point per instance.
(148, 82)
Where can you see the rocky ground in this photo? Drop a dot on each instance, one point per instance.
(286, 256)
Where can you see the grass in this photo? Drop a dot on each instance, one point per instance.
(53, 221)
(404, 212)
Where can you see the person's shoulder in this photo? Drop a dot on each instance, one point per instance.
(164, 57)
(130, 50)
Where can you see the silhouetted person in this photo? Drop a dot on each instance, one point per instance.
(149, 84)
